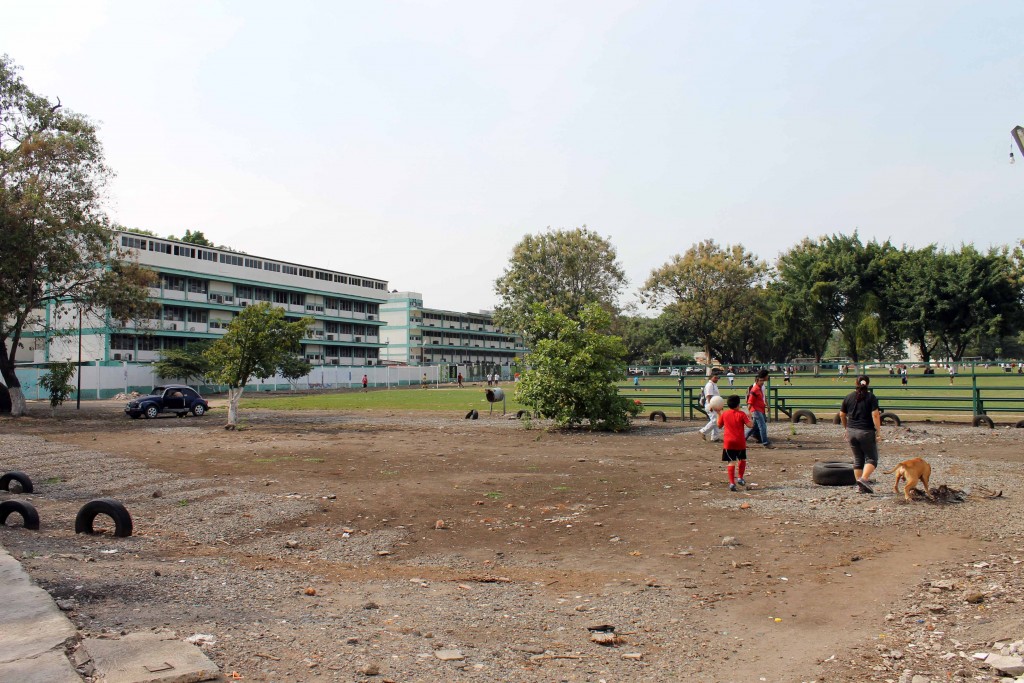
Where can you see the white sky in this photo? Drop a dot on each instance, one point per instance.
(419, 141)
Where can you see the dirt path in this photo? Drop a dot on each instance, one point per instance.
(423, 533)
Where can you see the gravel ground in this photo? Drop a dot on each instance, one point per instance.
(309, 579)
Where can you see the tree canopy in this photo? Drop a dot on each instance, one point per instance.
(57, 247)
(562, 270)
(257, 343)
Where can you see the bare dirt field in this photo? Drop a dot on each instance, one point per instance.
(424, 547)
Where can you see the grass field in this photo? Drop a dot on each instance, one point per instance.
(433, 399)
(924, 397)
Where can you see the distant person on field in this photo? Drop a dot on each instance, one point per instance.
(903, 376)
(636, 382)
(424, 382)
(365, 382)
(709, 392)
(952, 373)
(733, 422)
(460, 380)
(785, 375)
(862, 420)
(758, 409)
(732, 377)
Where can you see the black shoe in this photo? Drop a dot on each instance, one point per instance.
(863, 486)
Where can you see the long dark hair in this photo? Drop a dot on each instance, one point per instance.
(862, 387)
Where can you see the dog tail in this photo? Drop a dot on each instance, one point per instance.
(893, 469)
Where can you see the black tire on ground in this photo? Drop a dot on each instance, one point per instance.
(472, 415)
(104, 506)
(799, 415)
(199, 410)
(1020, 424)
(891, 417)
(658, 413)
(151, 412)
(833, 473)
(982, 420)
(837, 420)
(20, 477)
(29, 516)
(181, 414)
(521, 414)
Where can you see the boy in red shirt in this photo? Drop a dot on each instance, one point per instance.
(734, 443)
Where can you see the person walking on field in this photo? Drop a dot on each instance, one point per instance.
(862, 421)
(709, 392)
(460, 380)
(366, 380)
(734, 443)
(758, 409)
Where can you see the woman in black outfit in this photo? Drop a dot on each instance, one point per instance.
(862, 420)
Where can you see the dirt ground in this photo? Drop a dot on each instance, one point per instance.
(412, 547)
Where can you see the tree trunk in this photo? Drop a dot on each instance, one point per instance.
(17, 401)
(234, 396)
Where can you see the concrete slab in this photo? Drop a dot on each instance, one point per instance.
(49, 667)
(30, 622)
(149, 658)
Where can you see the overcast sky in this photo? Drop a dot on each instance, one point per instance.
(419, 141)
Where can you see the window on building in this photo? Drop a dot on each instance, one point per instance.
(148, 343)
(280, 297)
(289, 270)
(181, 250)
(243, 292)
(297, 298)
(197, 315)
(122, 342)
(231, 259)
(133, 242)
(197, 286)
(253, 263)
(172, 282)
(261, 294)
(159, 247)
(273, 267)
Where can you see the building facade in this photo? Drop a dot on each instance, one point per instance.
(200, 290)
(416, 335)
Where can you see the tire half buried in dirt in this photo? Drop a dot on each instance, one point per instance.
(833, 473)
(104, 506)
(20, 477)
(983, 420)
(657, 414)
(799, 415)
(28, 513)
(890, 417)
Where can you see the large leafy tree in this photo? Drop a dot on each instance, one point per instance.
(257, 343)
(188, 363)
(56, 248)
(645, 338)
(708, 294)
(564, 271)
(573, 370)
(197, 237)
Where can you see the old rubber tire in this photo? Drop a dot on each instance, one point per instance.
(199, 410)
(837, 420)
(20, 477)
(982, 420)
(104, 506)
(833, 473)
(891, 417)
(472, 415)
(151, 412)
(657, 414)
(181, 414)
(1020, 424)
(28, 513)
(799, 415)
(521, 414)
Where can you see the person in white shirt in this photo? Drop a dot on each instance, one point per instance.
(710, 390)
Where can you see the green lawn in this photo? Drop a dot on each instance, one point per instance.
(434, 399)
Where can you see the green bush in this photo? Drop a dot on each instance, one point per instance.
(573, 371)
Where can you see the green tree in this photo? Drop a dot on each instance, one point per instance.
(294, 367)
(57, 381)
(56, 246)
(573, 370)
(980, 294)
(189, 363)
(645, 338)
(913, 293)
(197, 238)
(708, 294)
(564, 271)
(258, 341)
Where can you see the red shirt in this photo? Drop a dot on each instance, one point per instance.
(755, 399)
(732, 422)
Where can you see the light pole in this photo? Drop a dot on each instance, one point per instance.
(78, 396)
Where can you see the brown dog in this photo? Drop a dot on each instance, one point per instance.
(914, 470)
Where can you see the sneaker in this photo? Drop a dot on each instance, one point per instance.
(703, 436)
(741, 482)
(732, 487)
(768, 445)
(863, 487)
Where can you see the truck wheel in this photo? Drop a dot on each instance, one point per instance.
(151, 412)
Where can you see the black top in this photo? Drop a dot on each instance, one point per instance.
(858, 413)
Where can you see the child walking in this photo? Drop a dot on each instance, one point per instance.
(734, 423)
